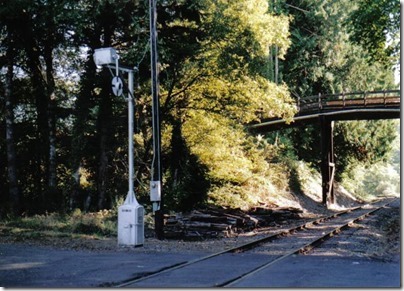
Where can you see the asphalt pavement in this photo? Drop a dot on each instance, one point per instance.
(25, 266)
(33, 266)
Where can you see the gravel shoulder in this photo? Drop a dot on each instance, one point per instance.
(378, 237)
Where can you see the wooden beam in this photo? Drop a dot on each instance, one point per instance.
(327, 160)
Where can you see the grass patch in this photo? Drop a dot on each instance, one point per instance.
(77, 224)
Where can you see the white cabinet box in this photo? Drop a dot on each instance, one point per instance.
(131, 224)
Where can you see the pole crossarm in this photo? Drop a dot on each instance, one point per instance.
(130, 72)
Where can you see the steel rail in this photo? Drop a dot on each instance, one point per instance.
(303, 249)
(244, 247)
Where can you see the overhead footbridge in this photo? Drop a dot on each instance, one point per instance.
(345, 106)
(325, 109)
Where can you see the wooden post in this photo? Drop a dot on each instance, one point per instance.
(343, 100)
(156, 167)
(327, 160)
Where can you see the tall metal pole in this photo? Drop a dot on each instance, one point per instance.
(130, 135)
(130, 213)
(156, 171)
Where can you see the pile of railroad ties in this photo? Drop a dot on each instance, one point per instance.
(219, 222)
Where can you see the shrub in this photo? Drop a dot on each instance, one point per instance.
(376, 180)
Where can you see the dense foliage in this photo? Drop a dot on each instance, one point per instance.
(331, 54)
(223, 64)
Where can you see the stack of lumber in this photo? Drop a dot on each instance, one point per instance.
(219, 222)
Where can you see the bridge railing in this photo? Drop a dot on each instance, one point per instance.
(341, 101)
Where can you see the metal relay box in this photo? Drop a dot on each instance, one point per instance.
(131, 223)
(103, 56)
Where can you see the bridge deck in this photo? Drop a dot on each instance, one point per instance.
(345, 106)
(324, 110)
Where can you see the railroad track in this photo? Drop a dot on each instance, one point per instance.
(227, 268)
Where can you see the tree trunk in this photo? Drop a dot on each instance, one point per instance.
(14, 192)
(104, 120)
(178, 154)
(79, 140)
(104, 131)
(50, 84)
(41, 102)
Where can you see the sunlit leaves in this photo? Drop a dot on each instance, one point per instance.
(212, 138)
(222, 86)
(243, 32)
(237, 168)
(244, 99)
(267, 29)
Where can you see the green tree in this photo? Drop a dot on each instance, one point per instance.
(367, 142)
(375, 25)
(12, 173)
(324, 59)
(217, 72)
(39, 32)
(221, 86)
(98, 129)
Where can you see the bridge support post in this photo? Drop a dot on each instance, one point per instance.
(327, 160)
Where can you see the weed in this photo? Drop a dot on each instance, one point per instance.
(101, 223)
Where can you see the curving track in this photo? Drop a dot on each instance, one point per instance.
(230, 267)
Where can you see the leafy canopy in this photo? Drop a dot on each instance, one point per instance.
(224, 85)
